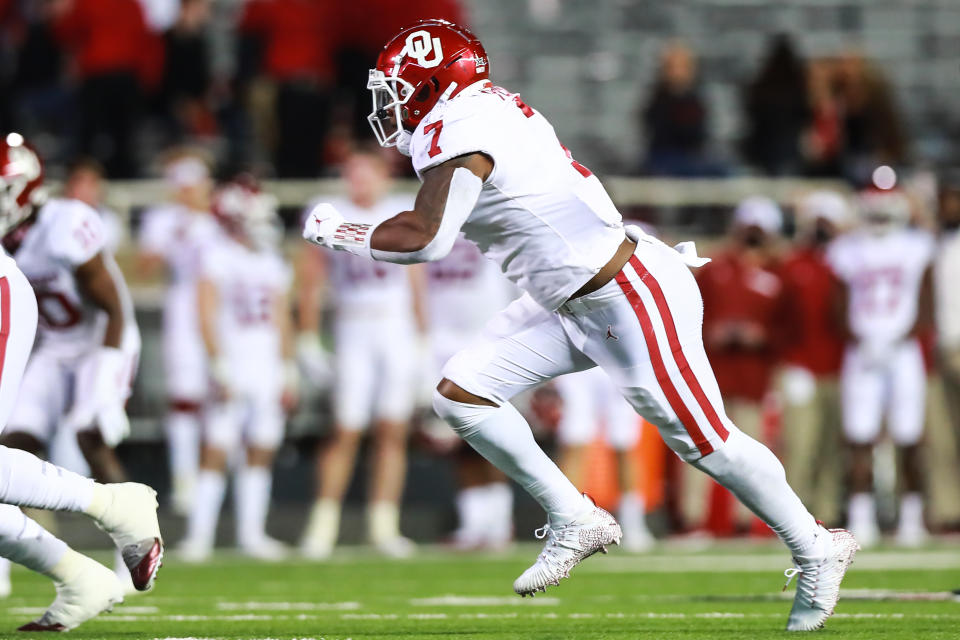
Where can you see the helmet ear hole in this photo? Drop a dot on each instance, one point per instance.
(424, 94)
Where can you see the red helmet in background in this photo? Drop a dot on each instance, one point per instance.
(247, 212)
(21, 182)
(425, 63)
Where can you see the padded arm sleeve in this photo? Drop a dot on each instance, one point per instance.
(464, 191)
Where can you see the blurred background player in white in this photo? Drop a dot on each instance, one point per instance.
(464, 290)
(591, 405)
(885, 270)
(172, 238)
(377, 309)
(127, 512)
(244, 307)
(946, 270)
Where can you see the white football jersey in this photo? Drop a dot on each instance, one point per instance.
(464, 290)
(362, 285)
(249, 283)
(65, 235)
(883, 274)
(542, 216)
(181, 237)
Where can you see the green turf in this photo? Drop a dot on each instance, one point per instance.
(734, 593)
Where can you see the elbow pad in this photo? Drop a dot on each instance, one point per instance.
(464, 191)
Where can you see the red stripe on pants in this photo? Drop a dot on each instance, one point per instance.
(4, 321)
(659, 369)
(689, 377)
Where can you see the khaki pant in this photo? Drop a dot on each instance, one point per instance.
(943, 441)
(813, 454)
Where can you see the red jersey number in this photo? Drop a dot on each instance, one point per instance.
(528, 112)
(56, 310)
(435, 129)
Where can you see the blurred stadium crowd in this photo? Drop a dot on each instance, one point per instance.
(825, 315)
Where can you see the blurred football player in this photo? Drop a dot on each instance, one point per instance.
(813, 353)
(884, 268)
(244, 310)
(127, 512)
(595, 293)
(591, 406)
(464, 290)
(172, 238)
(378, 311)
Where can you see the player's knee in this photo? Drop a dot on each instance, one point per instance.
(462, 415)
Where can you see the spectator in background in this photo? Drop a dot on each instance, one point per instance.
(873, 131)
(742, 315)
(777, 111)
(114, 57)
(823, 141)
(813, 353)
(675, 118)
(295, 40)
(185, 89)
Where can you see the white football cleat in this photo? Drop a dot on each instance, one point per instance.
(911, 534)
(818, 584)
(91, 590)
(264, 548)
(130, 517)
(567, 545)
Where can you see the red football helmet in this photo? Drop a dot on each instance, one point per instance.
(246, 212)
(425, 63)
(21, 182)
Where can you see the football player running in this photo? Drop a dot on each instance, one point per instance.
(597, 294)
(126, 511)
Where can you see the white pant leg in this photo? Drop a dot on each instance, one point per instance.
(863, 392)
(908, 394)
(582, 406)
(184, 357)
(265, 425)
(18, 327)
(645, 329)
(354, 388)
(521, 347)
(396, 373)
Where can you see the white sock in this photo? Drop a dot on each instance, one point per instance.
(383, 521)
(911, 511)
(632, 511)
(28, 481)
(862, 510)
(470, 511)
(499, 512)
(502, 436)
(207, 501)
(323, 524)
(752, 473)
(251, 504)
(183, 440)
(25, 542)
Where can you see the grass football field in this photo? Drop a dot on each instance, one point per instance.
(729, 592)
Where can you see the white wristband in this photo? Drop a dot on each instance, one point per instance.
(353, 237)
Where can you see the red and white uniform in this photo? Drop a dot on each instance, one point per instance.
(551, 226)
(883, 372)
(65, 235)
(374, 330)
(249, 285)
(18, 326)
(181, 237)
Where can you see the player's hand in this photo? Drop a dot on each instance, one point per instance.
(313, 360)
(220, 379)
(321, 223)
(100, 393)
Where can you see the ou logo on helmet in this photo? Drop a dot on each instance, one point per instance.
(420, 45)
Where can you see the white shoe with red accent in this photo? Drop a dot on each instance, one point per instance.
(567, 545)
(87, 590)
(818, 582)
(128, 512)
